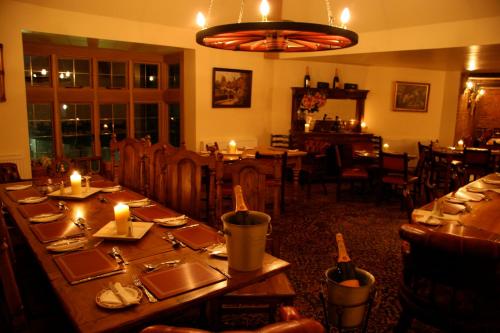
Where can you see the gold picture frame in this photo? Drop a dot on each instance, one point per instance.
(231, 88)
(411, 96)
(2, 76)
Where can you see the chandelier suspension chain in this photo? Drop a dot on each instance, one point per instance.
(329, 12)
(241, 10)
(209, 10)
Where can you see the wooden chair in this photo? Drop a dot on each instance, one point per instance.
(180, 183)
(156, 159)
(267, 295)
(449, 281)
(348, 173)
(9, 173)
(423, 167)
(128, 160)
(284, 158)
(280, 140)
(12, 308)
(314, 164)
(394, 171)
(476, 164)
(290, 322)
(213, 149)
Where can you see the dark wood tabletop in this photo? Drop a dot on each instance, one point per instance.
(79, 300)
(482, 221)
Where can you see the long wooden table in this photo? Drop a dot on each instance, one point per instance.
(483, 220)
(78, 300)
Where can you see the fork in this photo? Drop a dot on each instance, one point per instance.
(150, 296)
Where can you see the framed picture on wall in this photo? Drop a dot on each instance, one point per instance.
(411, 96)
(231, 88)
(2, 76)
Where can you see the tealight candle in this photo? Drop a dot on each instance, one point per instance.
(460, 144)
(76, 183)
(231, 147)
(385, 147)
(306, 128)
(122, 214)
(363, 126)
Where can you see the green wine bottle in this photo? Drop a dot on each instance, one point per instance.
(345, 273)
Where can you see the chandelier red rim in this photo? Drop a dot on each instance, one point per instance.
(276, 36)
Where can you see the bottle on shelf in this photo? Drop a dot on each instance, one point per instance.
(307, 78)
(336, 80)
(345, 273)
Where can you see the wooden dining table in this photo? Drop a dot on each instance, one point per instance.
(481, 219)
(79, 300)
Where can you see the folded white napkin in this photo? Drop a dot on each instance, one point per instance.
(491, 181)
(469, 196)
(18, 187)
(110, 189)
(426, 217)
(476, 189)
(177, 220)
(70, 244)
(46, 217)
(219, 250)
(32, 200)
(128, 295)
(138, 203)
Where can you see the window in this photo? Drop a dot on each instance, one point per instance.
(146, 121)
(76, 126)
(174, 124)
(146, 76)
(113, 119)
(112, 74)
(174, 71)
(74, 72)
(37, 70)
(40, 130)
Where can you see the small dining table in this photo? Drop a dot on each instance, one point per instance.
(78, 298)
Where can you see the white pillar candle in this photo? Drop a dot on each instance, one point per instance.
(122, 214)
(231, 147)
(306, 128)
(76, 183)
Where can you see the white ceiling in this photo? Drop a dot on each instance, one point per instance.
(367, 16)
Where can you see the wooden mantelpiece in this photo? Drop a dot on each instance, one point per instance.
(334, 138)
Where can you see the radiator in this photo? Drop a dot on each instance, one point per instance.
(23, 165)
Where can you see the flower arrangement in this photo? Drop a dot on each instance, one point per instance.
(312, 103)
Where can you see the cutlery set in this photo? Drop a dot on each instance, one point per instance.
(175, 242)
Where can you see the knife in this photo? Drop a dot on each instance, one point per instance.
(98, 276)
(220, 271)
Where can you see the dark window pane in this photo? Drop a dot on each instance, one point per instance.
(76, 127)
(74, 72)
(113, 119)
(37, 70)
(174, 76)
(40, 130)
(112, 74)
(146, 76)
(146, 121)
(174, 124)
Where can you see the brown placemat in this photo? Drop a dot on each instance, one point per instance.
(47, 232)
(180, 279)
(40, 208)
(80, 265)
(124, 196)
(23, 194)
(197, 237)
(153, 212)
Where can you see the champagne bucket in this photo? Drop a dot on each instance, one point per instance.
(246, 243)
(348, 306)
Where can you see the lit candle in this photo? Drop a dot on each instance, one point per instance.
(122, 214)
(76, 183)
(306, 128)
(363, 126)
(231, 147)
(460, 144)
(385, 147)
(79, 214)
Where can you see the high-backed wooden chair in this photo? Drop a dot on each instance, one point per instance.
(156, 160)
(476, 163)
(12, 307)
(394, 171)
(314, 164)
(280, 140)
(252, 174)
(349, 173)
(283, 155)
(9, 173)
(181, 184)
(128, 160)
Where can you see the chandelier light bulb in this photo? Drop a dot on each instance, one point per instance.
(264, 9)
(481, 92)
(201, 20)
(43, 71)
(345, 17)
(469, 85)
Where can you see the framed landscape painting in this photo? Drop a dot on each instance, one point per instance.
(411, 96)
(231, 88)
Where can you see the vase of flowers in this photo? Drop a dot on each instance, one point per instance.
(310, 103)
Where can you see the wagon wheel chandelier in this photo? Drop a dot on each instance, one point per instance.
(276, 36)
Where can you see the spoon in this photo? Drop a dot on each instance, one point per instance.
(117, 253)
(152, 267)
(62, 205)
